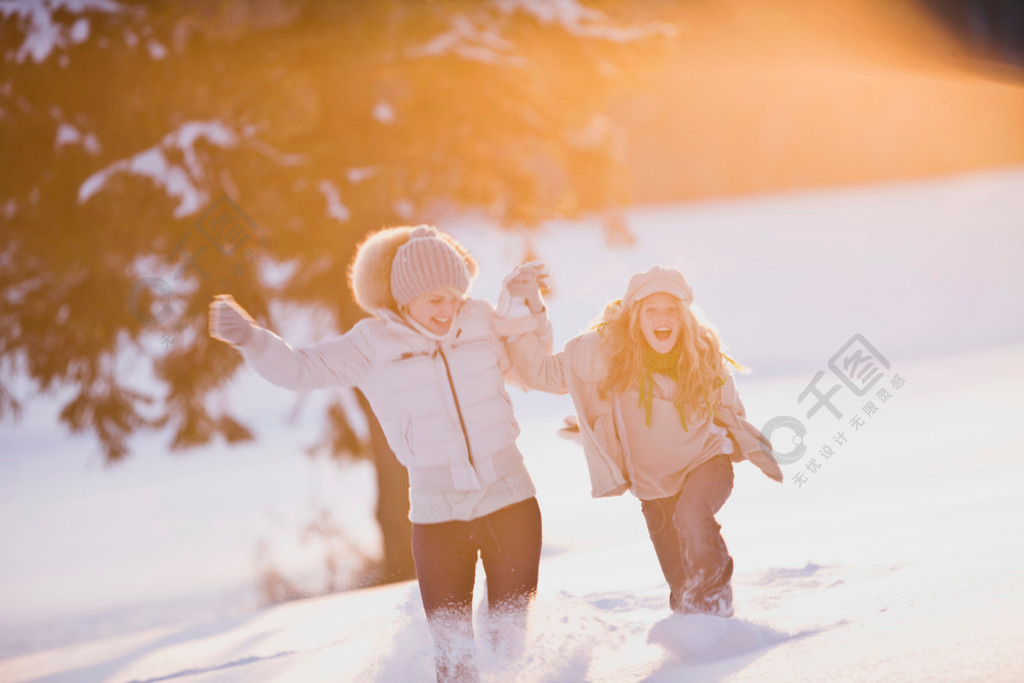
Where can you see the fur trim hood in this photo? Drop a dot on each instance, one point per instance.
(369, 275)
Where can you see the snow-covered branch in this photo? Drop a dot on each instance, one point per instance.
(181, 181)
(43, 32)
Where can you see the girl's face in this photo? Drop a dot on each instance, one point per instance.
(660, 321)
(435, 309)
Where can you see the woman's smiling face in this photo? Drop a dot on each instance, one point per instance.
(660, 321)
(435, 309)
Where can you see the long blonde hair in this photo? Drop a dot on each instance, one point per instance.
(701, 369)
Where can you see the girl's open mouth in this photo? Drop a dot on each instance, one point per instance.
(662, 333)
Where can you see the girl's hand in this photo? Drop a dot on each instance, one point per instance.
(228, 321)
(525, 284)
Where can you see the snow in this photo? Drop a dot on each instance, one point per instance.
(477, 36)
(156, 49)
(335, 209)
(80, 31)
(581, 20)
(911, 576)
(404, 209)
(181, 182)
(43, 34)
(358, 174)
(384, 113)
(67, 134)
(466, 39)
(900, 557)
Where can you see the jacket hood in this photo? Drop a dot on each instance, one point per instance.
(369, 275)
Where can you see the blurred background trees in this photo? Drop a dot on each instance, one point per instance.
(158, 153)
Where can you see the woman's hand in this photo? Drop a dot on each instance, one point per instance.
(228, 321)
(524, 284)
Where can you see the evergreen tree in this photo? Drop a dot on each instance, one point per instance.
(157, 153)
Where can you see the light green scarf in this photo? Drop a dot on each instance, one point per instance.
(661, 363)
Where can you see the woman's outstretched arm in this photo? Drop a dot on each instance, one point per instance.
(537, 366)
(343, 361)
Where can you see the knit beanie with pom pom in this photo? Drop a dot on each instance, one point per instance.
(426, 262)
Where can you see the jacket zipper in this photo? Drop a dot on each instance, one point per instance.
(458, 408)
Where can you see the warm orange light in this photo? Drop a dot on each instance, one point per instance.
(758, 97)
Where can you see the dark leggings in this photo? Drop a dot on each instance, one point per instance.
(508, 541)
(688, 541)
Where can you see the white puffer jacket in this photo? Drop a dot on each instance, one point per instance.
(441, 401)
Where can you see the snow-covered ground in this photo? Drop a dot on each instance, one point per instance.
(896, 556)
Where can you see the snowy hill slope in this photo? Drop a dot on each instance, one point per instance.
(899, 556)
(903, 561)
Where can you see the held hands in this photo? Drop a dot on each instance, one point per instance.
(521, 290)
(228, 321)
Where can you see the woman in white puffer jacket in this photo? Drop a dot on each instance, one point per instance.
(432, 364)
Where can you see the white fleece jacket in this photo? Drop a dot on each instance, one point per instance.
(578, 370)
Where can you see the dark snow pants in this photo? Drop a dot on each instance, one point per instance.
(689, 543)
(508, 541)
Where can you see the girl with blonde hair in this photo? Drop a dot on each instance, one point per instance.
(659, 415)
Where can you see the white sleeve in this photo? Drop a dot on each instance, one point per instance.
(342, 361)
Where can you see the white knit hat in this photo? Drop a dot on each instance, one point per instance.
(426, 262)
(657, 279)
